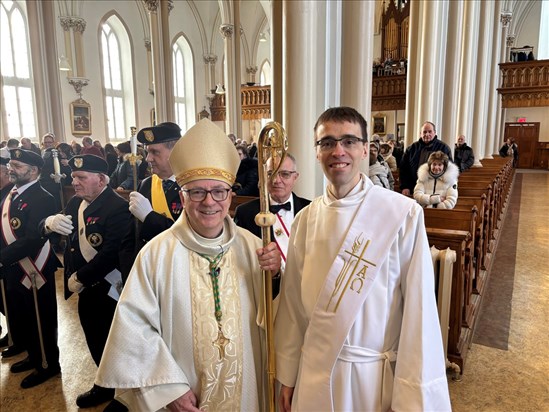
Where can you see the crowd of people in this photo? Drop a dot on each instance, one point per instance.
(169, 285)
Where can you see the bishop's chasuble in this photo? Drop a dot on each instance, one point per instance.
(165, 338)
(390, 354)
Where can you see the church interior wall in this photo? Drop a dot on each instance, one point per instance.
(527, 27)
(532, 114)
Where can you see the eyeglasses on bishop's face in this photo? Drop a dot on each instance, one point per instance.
(284, 174)
(198, 195)
(348, 143)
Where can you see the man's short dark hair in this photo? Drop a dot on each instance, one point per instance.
(13, 143)
(343, 114)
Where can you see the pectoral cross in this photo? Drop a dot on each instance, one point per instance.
(221, 342)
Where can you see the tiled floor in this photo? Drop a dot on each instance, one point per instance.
(509, 380)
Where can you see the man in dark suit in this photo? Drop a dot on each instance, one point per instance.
(284, 204)
(95, 221)
(28, 262)
(156, 204)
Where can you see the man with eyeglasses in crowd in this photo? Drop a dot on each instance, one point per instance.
(284, 203)
(187, 333)
(357, 326)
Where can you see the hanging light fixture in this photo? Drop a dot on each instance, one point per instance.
(262, 37)
(64, 65)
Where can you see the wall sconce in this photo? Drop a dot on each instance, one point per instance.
(64, 65)
(262, 37)
(220, 89)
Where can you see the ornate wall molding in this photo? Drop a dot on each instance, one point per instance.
(227, 30)
(78, 83)
(151, 5)
(251, 69)
(78, 24)
(506, 17)
(510, 40)
(209, 58)
(147, 44)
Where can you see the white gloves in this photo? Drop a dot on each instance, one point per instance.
(61, 224)
(74, 285)
(140, 206)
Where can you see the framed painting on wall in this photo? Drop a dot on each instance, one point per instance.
(80, 118)
(379, 123)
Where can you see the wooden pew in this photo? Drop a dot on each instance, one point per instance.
(238, 200)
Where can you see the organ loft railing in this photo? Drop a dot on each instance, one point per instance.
(255, 100)
(524, 83)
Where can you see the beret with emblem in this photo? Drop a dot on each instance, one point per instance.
(204, 152)
(163, 132)
(28, 157)
(88, 163)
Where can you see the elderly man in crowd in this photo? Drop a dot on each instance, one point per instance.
(417, 153)
(95, 221)
(284, 203)
(26, 263)
(191, 311)
(463, 154)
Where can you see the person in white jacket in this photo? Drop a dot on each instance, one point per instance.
(436, 185)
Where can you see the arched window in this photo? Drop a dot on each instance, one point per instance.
(118, 83)
(183, 86)
(265, 74)
(18, 102)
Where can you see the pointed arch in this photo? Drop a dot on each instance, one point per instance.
(183, 81)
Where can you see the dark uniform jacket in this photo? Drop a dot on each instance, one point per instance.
(106, 220)
(245, 218)
(26, 212)
(463, 157)
(415, 155)
(154, 224)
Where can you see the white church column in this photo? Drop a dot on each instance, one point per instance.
(482, 93)
(232, 79)
(506, 17)
(301, 92)
(425, 83)
(468, 69)
(448, 125)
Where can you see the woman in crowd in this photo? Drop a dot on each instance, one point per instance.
(436, 185)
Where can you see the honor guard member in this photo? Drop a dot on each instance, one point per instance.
(27, 262)
(95, 221)
(284, 204)
(156, 203)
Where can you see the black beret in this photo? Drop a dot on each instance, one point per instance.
(4, 160)
(28, 157)
(163, 132)
(88, 163)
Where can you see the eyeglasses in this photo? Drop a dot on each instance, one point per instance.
(198, 195)
(284, 174)
(329, 143)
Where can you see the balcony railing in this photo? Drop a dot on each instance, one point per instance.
(389, 92)
(255, 100)
(525, 84)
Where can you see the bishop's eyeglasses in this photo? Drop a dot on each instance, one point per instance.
(198, 195)
(347, 142)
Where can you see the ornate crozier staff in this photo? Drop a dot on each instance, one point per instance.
(272, 144)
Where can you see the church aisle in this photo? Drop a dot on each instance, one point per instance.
(494, 379)
(516, 379)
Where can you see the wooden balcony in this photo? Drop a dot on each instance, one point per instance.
(255, 100)
(525, 84)
(389, 92)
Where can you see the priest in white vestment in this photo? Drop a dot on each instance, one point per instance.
(187, 332)
(357, 327)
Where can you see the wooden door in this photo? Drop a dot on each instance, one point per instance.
(526, 136)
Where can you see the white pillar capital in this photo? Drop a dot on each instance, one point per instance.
(226, 30)
(506, 17)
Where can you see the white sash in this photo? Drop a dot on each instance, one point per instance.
(346, 287)
(282, 238)
(88, 253)
(30, 267)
